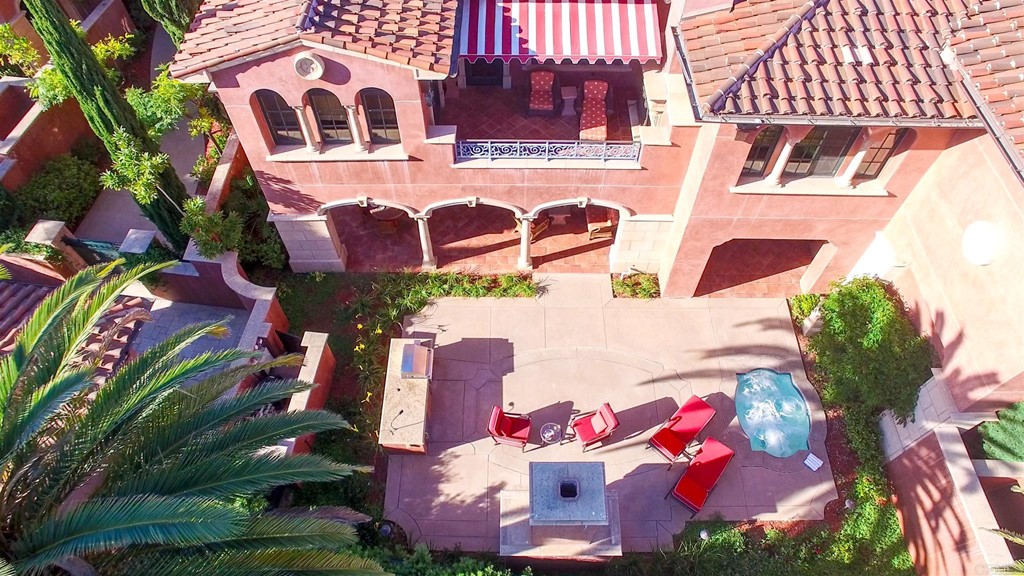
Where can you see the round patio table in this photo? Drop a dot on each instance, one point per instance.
(551, 433)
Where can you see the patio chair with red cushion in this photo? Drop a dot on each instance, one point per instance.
(594, 111)
(509, 428)
(545, 94)
(702, 474)
(592, 427)
(676, 435)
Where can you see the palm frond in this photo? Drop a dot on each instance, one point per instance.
(273, 532)
(104, 525)
(246, 563)
(333, 513)
(266, 431)
(222, 476)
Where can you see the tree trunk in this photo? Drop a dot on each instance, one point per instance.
(104, 108)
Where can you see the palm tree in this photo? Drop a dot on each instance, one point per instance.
(1018, 566)
(137, 475)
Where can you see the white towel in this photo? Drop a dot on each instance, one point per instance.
(813, 462)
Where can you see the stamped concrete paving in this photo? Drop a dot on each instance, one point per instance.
(572, 349)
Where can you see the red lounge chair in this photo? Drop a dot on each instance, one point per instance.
(545, 93)
(672, 439)
(594, 111)
(508, 428)
(591, 427)
(701, 476)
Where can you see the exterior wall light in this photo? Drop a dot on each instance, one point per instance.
(981, 242)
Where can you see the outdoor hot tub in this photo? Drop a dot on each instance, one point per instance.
(772, 412)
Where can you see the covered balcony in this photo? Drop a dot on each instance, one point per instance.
(550, 81)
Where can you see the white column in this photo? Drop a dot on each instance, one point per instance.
(525, 233)
(845, 180)
(775, 178)
(307, 131)
(425, 245)
(353, 125)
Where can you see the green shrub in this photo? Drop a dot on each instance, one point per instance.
(422, 563)
(15, 237)
(1004, 438)
(8, 209)
(636, 286)
(214, 233)
(868, 349)
(155, 254)
(204, 167)
(262, 245)
(802, 305)
(63, 189)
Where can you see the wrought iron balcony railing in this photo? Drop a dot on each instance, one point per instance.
(547, 150)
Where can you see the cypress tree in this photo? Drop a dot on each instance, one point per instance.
(105, 109)
(175, 15)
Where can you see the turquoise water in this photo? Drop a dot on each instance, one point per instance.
(772, 412)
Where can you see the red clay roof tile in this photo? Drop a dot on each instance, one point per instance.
(228, 29)
(877, 58)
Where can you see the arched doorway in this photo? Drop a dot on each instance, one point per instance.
(376, 236)
(482, 237)
(575, 238)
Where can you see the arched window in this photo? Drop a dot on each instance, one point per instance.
(281, 119)
(761, 151)
(380, 116)
(330, 117)
(880, 153)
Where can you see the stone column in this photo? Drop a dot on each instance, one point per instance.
(312, 144)
(868, 138)
(793, 136)
(353, 125)
(525, 232)
(428, 249)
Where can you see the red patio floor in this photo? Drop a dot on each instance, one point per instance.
(746, 268)
(481, 239)
(492, 113)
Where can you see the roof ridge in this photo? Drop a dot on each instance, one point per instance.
(731, 84)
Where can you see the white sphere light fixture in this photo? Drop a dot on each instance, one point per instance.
(981, 242)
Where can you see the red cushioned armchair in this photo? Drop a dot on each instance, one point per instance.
(675, 435)
(702, 474)
(594, 110)
(592, 427)
(509, 428)
(545, 96)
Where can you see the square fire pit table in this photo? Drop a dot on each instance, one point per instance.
(567, 494)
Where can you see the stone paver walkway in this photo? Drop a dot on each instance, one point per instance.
(572, 349)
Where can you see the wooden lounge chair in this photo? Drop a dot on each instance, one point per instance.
(545, 97)
(594, 110)
(702, 474)
(509, 428)
(592, 427)
(676, 435)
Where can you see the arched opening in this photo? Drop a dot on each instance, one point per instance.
(482, 237)
(381, 116)
(375, 236)
(281, 121)
(331, 119)
(575, 239)
(756, 267)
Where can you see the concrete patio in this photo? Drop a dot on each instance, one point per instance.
(572, 349)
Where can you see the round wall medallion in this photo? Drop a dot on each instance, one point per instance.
(309, 66)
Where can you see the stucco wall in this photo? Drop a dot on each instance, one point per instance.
(38, 137)
(975, 313)
(427, 176)
(846, 220)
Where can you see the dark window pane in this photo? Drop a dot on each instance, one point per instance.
(330, 117)
(879, 154)
(821, 152)
(281, 119)
(381, 117)
(761, 151)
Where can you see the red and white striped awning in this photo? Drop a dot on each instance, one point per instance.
(575, 30)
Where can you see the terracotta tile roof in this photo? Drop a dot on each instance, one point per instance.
(989, 49)
(418, 33)
(852, 58)
(111, 339)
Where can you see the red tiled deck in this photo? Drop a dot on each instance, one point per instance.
(492, 113)
(757, 268)
(481, 239)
